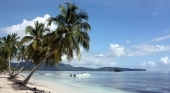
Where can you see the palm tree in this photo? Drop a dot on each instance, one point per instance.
(8, 48)
(21, 56)
(72, 28)
(36, 39)
(65, 40)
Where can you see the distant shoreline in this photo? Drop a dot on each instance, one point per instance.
(67, 67)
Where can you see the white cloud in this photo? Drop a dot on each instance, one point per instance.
(151, 63)
(163, 63)
(155, 13)
(143, 64)
(141, 50)
(117, 50)
(148, 64)
(137, 50)
(128, 41)
(100, 55)
(20, 28)
(161, 38)
(92, 60)
(165, 60)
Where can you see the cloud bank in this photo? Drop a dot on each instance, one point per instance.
(163, 62)
(87, 59)
(137, 50)
(20, 28)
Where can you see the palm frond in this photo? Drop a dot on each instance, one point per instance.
(26, 39)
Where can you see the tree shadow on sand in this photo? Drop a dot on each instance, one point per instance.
(17, 85)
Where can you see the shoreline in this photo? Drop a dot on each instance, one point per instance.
(66, 86)
(7, 86)
(48, 86)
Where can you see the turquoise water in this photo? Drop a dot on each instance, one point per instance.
(111, 82)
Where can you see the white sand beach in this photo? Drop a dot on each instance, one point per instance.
(6, 86)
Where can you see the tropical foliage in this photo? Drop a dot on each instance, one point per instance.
(3, 66)
(65, 40)
(49, 46)
(72, 30)
(22, 57)
(8, 48)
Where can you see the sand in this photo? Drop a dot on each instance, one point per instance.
(6, 86)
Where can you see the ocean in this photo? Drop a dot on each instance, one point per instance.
(108, 82)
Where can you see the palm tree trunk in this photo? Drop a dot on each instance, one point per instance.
(9, 66)
(12, 73)
(20, 70)
(32, 72)
(17, 74)
(24, 83)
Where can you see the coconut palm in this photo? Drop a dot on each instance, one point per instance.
(20, 56)
(36, 41)
(35, 35)
(8, 48)
(35, 38)
(72, 29)
(65, 40)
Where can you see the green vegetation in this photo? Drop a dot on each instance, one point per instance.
(71, 32)
(8, 48)
(43, 45)
(3, 66)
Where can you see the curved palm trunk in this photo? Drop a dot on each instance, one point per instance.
(11, 75)
(20, 70)
(32, 72)
(24, 83)
(17, 74)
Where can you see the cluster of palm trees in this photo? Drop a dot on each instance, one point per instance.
(8, 50)
(44, 45)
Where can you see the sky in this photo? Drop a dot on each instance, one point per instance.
(124, 33)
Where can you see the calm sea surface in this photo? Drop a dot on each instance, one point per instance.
(112, 82)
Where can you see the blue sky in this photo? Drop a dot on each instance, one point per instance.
(125, 33)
